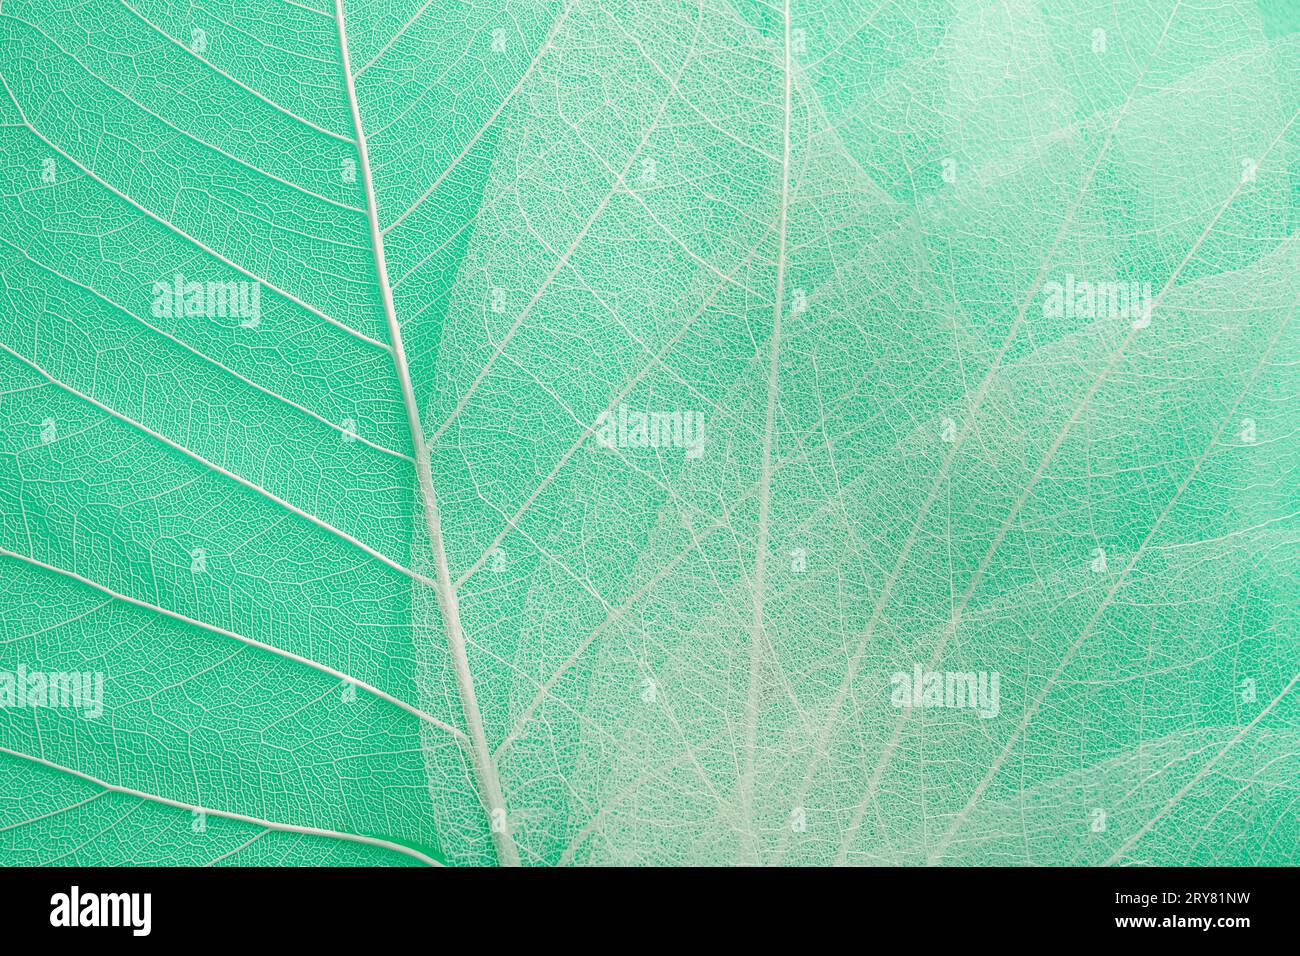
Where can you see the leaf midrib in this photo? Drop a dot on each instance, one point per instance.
(448, 606)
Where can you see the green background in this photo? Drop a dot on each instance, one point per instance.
(824, 226)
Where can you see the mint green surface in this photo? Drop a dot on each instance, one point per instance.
(829, 230)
